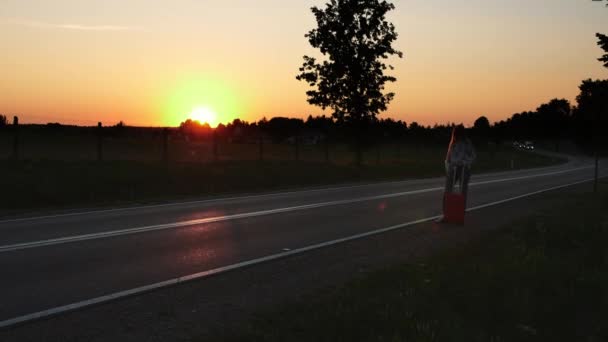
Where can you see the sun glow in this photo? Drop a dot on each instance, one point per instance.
(204, 115)
(200, 97)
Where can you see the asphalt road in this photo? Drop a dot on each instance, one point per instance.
(49, 263)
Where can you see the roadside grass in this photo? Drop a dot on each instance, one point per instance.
(543, 278)
(51, 184)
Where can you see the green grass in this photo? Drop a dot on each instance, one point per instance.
(35, 184)
(544, 278)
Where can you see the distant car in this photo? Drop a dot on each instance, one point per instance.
(528, 145)
(516, 144)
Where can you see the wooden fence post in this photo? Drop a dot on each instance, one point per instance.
(261, 146)
(297, 147)
(99, 142)
(165, 151)
(215, 149)
(15, 155)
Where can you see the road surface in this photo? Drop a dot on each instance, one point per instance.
(51, 264)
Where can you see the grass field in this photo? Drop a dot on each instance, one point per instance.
(540, 279)
(51, 183)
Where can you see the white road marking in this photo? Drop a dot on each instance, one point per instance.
(245, 197)
(174, 281)
(92, 236)
(186, 203)
(173, 225)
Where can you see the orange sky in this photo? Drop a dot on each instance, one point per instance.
(151, 62)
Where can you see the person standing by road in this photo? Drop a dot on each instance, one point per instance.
(461, 154)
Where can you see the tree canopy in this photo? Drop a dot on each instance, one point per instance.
(603, 43)
(593, 99)
(356, 39)
(553, 113)
(482, 123)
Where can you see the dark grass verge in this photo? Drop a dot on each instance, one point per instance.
(33, 185)
(544, 278)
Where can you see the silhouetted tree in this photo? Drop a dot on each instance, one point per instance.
(481, 130)
(3, 120)
(603, 43)
(554, 117)
(356, 39)
(592, 109)
(593, 97)
(280, 129)
(523, 125)
(194, 129)
(241, 131)
(322, 125)
(416, 132)
(392, 130)
(482, 123)
(499, 132)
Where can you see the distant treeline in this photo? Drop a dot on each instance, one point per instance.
(584, 122)
(556, 120)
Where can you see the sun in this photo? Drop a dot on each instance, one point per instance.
(204, 115)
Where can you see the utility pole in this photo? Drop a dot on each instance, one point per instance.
(16, 138)
(99, 142)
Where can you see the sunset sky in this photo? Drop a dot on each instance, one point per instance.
(152, 62)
